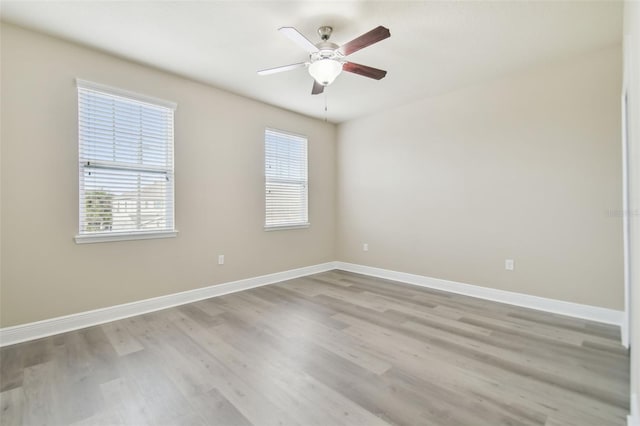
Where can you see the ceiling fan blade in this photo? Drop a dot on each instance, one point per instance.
(364, 70)
(317, 88)
(298, 38)
(375, 35)
(282, 68)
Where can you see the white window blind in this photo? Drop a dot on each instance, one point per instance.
(285, 180)
(126, 163)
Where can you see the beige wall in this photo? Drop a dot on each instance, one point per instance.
(525, 167)
(632, 68)
(219, 187)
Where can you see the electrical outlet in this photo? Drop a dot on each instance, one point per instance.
(221, 259)
(509, 264)
(365, 247)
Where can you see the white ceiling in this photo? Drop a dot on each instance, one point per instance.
(434, 47)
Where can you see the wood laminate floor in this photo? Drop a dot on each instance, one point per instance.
(330, 349)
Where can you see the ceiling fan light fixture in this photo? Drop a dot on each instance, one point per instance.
(327, 59)
(325, 71)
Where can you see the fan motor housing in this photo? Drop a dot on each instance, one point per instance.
(326, 50)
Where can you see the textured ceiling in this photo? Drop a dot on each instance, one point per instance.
(434, 47)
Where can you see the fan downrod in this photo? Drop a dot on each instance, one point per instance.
(325, 32)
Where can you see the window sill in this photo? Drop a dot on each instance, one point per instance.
(286, 227)
(105, 238)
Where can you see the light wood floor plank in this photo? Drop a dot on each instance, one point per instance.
(335, 348)
(12, 406)
(120, 339)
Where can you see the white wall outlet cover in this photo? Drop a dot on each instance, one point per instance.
(221, 259)
(509, 264)
(365, 247)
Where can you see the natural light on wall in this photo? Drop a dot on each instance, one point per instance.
(125, 165)
(286, 185)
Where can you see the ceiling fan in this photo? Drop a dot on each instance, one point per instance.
(327, 60)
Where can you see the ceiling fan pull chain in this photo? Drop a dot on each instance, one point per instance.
(325, 106)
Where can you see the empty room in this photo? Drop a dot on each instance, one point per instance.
(320, 213)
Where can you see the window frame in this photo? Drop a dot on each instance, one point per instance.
(292, 225)
(138, 234)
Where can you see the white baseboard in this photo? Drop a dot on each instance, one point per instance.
(593, 313)
(49, 327)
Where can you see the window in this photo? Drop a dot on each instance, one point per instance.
(126, 165)
(285, 180)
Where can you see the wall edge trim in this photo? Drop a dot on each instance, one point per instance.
(633, 419)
